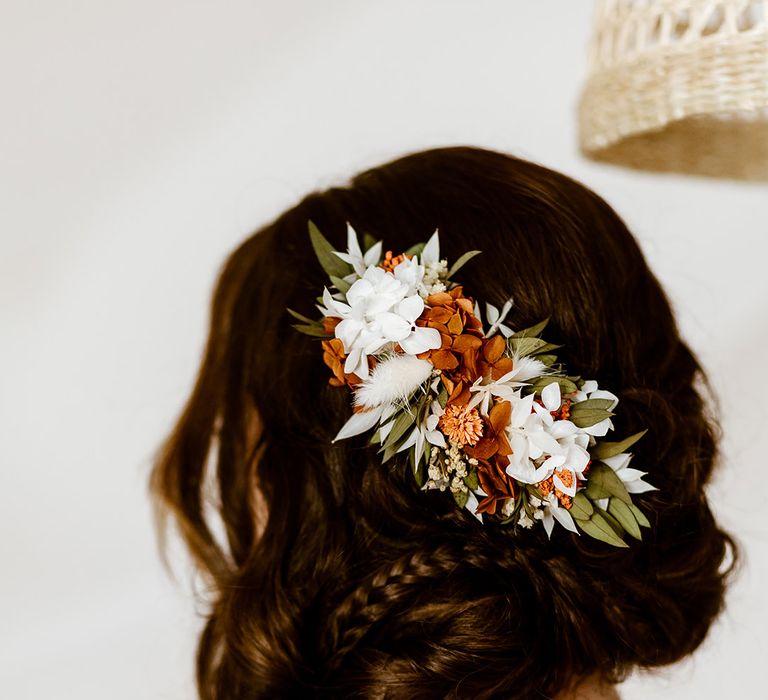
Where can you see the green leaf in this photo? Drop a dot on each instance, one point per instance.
(471, 480)
(314, 330)
(602, 482)
(461, 498)
(598, 527)
(442, 397)
(418, 471)
(330, 262)
(639, 516)
(615, 524)
(415, 249)
(566, 385)
(301, 317)
(368, 242)
(400, 424)
(340, 284)
(581, 507)
(389, 452)
(463, 260)
(604, 450)
(525, 345)
(376, 438)
(590, 412)
(548, 360)
(622, 512)
(533, 331)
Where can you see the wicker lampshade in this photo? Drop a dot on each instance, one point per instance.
(679, 86)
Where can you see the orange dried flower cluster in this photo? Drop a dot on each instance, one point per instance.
(548, 486)
(390, 262)
(461, 425)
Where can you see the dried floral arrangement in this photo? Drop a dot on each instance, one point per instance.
(481, 411)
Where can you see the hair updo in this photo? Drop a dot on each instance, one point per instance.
(338, 578)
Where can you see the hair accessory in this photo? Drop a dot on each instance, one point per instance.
(481, 411)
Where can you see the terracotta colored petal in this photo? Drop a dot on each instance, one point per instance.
(485, 449)
(439, 315)
(439, 299)
(335, 382)
(499, 415)
(441, 328)
(330, 323)
(466, 342)
(487, 505)
(456, 292)
(494, 348)
(505, 449)
(447, 383)
(500, 368)
(444, 359)
(466, 305)
(446, 341)
(460, 395)
(455, 325)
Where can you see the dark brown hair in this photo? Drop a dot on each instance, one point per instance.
(357, 584)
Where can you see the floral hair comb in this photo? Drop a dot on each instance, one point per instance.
(481, 411)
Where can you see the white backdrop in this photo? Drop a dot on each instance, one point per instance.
(140, 141)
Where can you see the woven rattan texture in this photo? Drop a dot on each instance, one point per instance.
(679, 85)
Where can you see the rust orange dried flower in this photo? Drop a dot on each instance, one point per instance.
(461, 425)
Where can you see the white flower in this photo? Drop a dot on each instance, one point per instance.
(392, 381)
(399, 325)
(506, 387)
(354, 255)
(496, 319)
(364, 420)
(410, 273)
(540, 444)
(552, 510)
(376, 293)
(419, 436)
(632, 478)
(431, 251)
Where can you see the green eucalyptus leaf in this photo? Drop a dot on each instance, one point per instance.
(639, 516)
(301, 317)
(604, 404)
(461, 498)
(442, 397)
(400, 424)
(548, 360)
(463, 260)
(315, 330)
(524, 345)
(418, 471)
(581, 507)
(368, 242)
(602, 482)
(376, 438)
(622, 512)
(471, 480)
(415, 249)
(598, 527)
(340, 284)
(585, 414)
(533, 331)
(604, 450)
(566, 385)
(615, 524)
(333, 265)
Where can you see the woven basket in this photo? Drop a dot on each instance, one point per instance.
(679, 86)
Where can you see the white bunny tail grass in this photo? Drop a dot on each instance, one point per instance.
(393, 380)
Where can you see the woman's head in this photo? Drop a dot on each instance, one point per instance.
(339, 577)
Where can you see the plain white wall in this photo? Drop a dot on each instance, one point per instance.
(140, 141)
